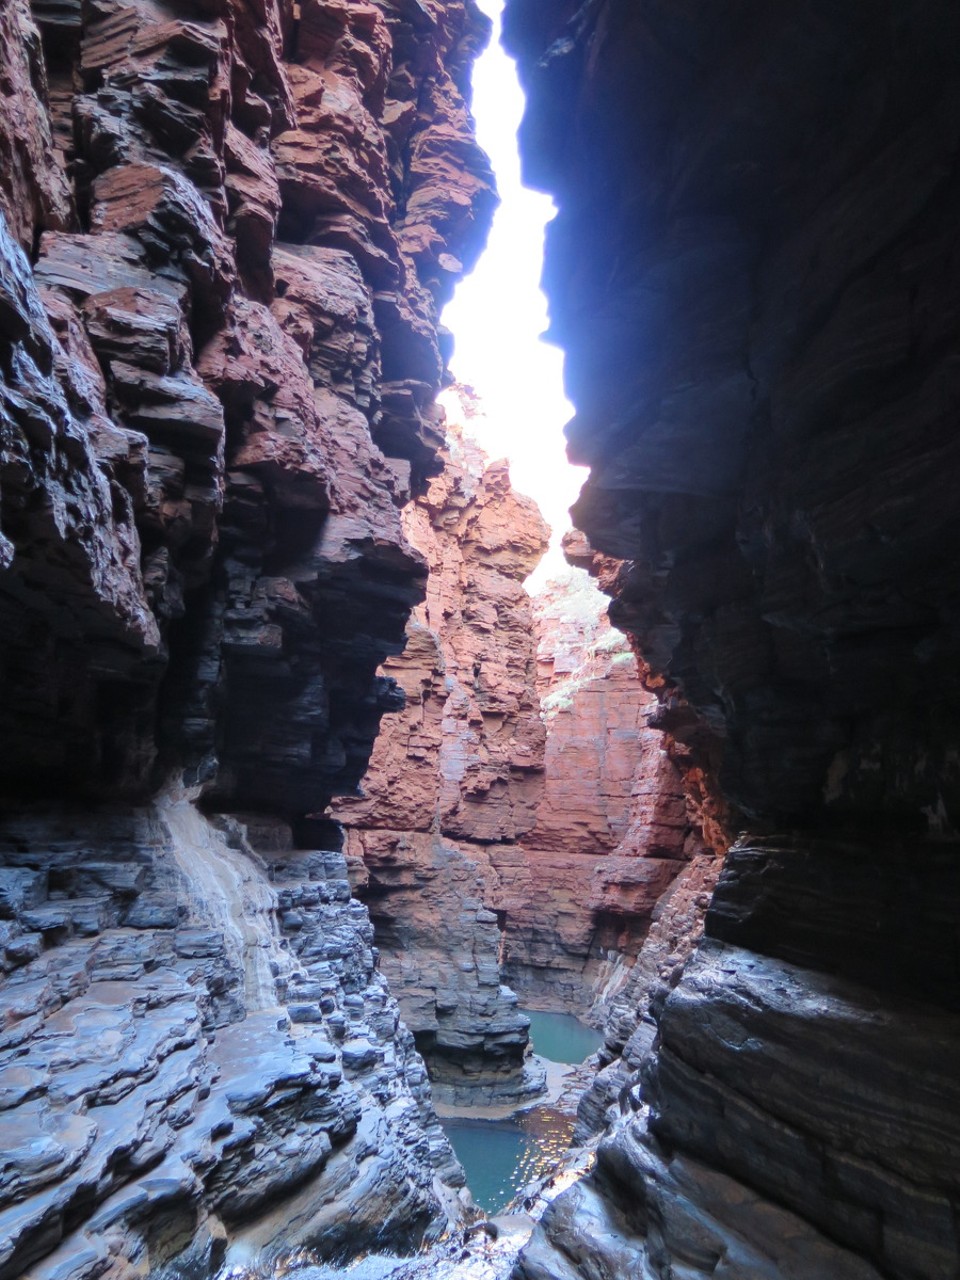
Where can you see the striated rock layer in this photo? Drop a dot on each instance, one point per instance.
(200, 1061)
(520, 821)
(752, 272)
(612, 828)
(226, 230)
(459, 770)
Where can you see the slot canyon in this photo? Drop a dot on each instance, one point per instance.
(307, 802)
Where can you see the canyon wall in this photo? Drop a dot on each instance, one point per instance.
(521, 822)
(752, 273)
(459, 769)
(612, 827)
(226, 230)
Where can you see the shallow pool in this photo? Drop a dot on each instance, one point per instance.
(561, 1037)
(501, 1157)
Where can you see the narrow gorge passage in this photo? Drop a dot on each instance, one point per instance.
(309, 791)
(519, 820)
(226, 238)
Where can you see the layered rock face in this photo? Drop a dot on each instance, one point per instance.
(521, 821)
(753, 275)
(780, 575)
(459, 769)
(612, 827)
(200, 1061)
(225, 233)
(639, 886)
(193, 484)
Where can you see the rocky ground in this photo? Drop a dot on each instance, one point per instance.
(201, 1060)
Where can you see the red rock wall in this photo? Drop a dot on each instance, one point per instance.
(226, 230)
(459, 768)
(219, 380)
(472, 732)
(522, 797)
(612, 828)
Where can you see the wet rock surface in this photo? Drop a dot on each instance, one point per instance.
(200, 1058)
(226, 231)
(750, 275)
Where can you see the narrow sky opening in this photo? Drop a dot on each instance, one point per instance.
(498, 313)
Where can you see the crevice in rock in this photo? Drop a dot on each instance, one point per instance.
(226, 233)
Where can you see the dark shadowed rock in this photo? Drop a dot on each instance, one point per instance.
(752, 275)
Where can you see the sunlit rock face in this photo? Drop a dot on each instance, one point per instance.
(753, 277)
(521, 798)
(225, 234)
(459, 771)
(612, 827)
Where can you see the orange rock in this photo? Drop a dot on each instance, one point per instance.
(459, 767)
(523, 779)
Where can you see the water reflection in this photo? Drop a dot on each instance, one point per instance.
(373, 1267)
(560, 1037)
(502, 1157)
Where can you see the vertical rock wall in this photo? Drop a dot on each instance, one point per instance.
(753, 274)
(521, 820)
(226, 230)
(223, 396)
(461, 768)
(612, 829)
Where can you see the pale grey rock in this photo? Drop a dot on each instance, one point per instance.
(166, 1071)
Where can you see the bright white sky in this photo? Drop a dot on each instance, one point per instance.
(498, 313)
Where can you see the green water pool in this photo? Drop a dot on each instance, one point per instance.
(560, 1037)
(501, 1157)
